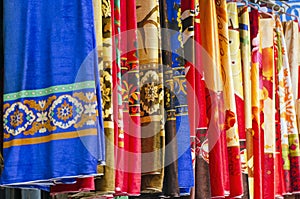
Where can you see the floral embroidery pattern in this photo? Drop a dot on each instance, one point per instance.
(17, 118)
(47, 115)
(105, 83)
(151, 91)
(65, 112)
(59, 112)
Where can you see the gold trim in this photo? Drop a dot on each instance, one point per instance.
(48, 138)
(108, 124)
(155, 118)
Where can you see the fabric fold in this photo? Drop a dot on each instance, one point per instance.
(52, 110)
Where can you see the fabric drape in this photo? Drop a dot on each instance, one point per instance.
(245, 146)
(152, 101)
(289, 130)
(212, 74)
(106, 183)
(168, 10)
(54, 98)
(255, 161)
(228, 64)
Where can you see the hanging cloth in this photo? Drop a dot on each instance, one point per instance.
(255, 159)
(131, 101)
(215, 109)
(169, 31)
(227, 42)
(106, 183)
(119, 142)
(185, 169)
(202, 181)
(279, 172)
(246, 147)
(151, 91)
(52, 100)
(291, 34)
(289, 130)
(268, 106)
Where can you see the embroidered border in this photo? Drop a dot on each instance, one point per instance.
(49, 90)
(64, 111)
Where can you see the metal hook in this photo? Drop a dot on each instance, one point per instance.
(279, 10)
(245, 2)
(254, 5)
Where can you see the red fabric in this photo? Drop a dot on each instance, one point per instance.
(257, 134)
(216, 149)
(279, 186)
(295, 173)
(268, 175)
(82, 184)
(132, 130)
(190, 75)
(120, 182)
(235, 171)
(200, 109)
(240, 103)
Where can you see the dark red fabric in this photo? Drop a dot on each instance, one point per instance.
(82, 184)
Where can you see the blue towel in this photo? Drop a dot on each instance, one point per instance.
(52, 104)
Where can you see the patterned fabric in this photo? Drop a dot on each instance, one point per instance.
(279, 175)
(187, 18)
(246, 148)
(268, 105)
(202, 181)
(289, 130)
(291, 34)
(255, 161)
(170, 186)
(227, 49)
(130, 98)
(235, 55)
(118, 102)
(152, 96)
(138, 99)
(131, 159)
(182, 46)
(213, 79)
(53, 119)
(106, 184)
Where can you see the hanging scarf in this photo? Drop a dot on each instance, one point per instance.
(170, 186)
(246, 147)
(120, 181)
(133, 132)
(85, 184)
(231, 126)
(291, 34)
(268, 105)
(185, 169)
(129, 144)
(255, 159)
(289, 130)
(213, 79)
(279, 175)
(52, 110)
(202, 181)
(106, 184)
(152, 100)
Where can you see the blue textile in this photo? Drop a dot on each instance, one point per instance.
(185, 169)
(52, 113)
